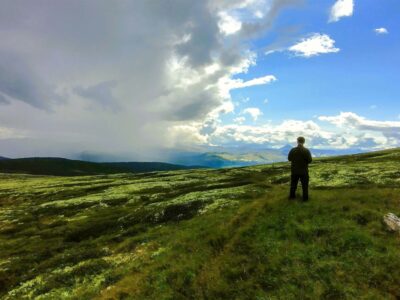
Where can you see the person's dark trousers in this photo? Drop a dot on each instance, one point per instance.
(294, 180)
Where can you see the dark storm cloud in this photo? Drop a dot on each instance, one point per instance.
(116, 54)
(4, 100)
(100, 94)
(255, 28)
(20, 82)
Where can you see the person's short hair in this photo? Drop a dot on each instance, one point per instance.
(301, 140)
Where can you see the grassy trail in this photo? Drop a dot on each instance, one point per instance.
(220, 237)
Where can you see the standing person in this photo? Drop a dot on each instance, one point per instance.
(300, 157)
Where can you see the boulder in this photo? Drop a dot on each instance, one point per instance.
(392, 221)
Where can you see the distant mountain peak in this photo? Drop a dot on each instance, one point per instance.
(287, 146)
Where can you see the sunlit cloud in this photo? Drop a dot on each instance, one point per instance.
(350, 131)
(381, 30)
(390, 130)
(228, 24)
(341, 8)
(314, 45)
(239, 83)
(254, 112)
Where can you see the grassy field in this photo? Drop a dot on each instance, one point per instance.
(203, 234)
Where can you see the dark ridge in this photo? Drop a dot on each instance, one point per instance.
(66, 167)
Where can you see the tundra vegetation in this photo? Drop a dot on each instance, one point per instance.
(203, 234)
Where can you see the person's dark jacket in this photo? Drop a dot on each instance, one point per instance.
(300, 158)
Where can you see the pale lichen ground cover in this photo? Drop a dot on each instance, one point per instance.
(73, 237)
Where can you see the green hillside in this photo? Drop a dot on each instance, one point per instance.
(67, 167)
(203, 234)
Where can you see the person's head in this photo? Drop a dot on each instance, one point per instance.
(301, 140)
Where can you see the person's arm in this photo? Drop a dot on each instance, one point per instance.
(309, 157)
(290, 155)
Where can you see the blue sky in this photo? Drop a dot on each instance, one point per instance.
(138, 77)
(362, 77)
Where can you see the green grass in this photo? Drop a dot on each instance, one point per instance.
(203, 234)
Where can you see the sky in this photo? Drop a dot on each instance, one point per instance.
(143, 76)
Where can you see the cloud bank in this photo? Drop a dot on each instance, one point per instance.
(117, 76)
(137, 76)
(349, 131)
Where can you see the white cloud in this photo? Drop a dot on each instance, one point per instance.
(186, 134)
(350, 131)
(381, 30)
(224, 108)
(259, 14)
(351, 121)
(228, 24)
(269, 52)
(239, 83)
(274, 135)
(254, 112)
(239, 120)
(342, 8)
(314, 45)
(359, 122)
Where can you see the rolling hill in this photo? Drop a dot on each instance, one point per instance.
(203, 234)
(245, 156)
(67, 167)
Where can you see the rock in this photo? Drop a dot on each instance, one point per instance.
(392, 221)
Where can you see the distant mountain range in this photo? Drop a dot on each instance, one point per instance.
(217, 157)
(220, 157)
(237, 157)
(67, 167)
(228, 159)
